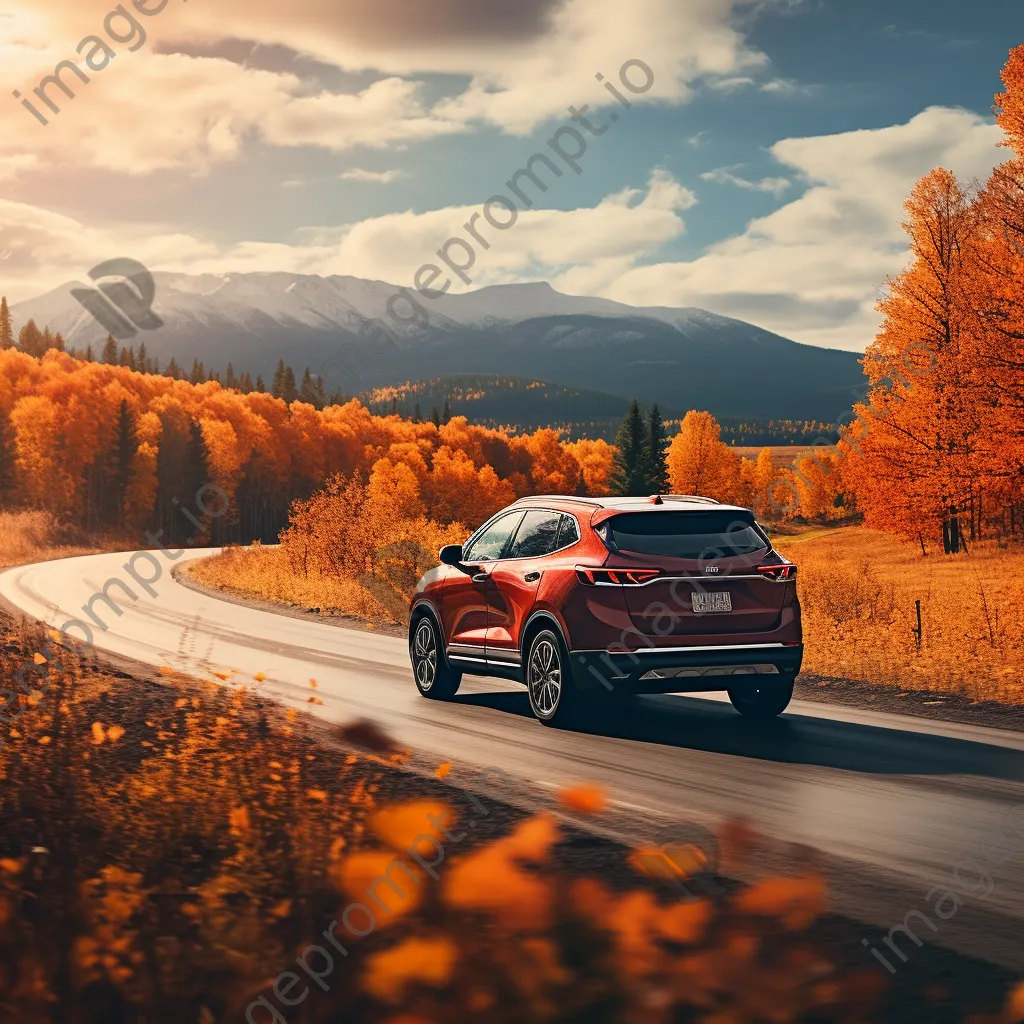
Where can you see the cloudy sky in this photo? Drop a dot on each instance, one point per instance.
(761, 176)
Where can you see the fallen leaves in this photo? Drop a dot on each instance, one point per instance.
(428, 961)
(584, 799)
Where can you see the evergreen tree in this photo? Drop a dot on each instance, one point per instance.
(277, 382)
(260, 386)
(394, 405)
(197, 375)
(311, 390)
(417, 416)
(245, 383)
(657, 444)
(143, 361)
(110, 353)
(629, 472)
(47, 342)
(7, 458)
(173, 370)
(31, 340)
(229, 377)
(89, 357)
(6, 331)
(435, 417)
(446, 414)
(125, 446)
(58, 342)
(197, 475)
(125, 358)
(291, 392)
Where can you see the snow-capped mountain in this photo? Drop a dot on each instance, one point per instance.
(680, 357)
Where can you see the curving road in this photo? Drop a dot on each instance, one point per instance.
(892, 802)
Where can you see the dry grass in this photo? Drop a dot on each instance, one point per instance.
(858, 588)
(37, 537)
(266, 573)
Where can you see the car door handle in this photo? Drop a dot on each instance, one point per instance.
(532, 577)
(480, 577)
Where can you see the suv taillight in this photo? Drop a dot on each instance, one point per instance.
(594, 576)
(779, 573)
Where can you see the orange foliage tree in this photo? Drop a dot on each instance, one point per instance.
(110, 447)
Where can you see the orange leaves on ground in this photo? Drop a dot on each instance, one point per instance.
(380, 879)
(499, 878)
(672, 862)
(442, 770)
(39, 659)
(238, 819)
(109, 735)
(797, 902)
(427, 961)
(320, 795)
(401, 825)
(259, 677)
(584, 799)
(640, 924)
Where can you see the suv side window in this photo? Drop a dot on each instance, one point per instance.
(491, 543)
(569, 533)
(538, 535)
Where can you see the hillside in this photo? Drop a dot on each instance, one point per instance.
(523, 405)
(681, 358)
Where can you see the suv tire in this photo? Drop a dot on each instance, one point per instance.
(435, 678)
(764, 700)
(548, 678)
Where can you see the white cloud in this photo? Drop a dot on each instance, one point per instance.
(787, 87)
(812, 269)
(373, 177)
(510, 66)
(724, 176)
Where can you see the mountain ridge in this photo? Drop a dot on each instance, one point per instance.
(682, 356)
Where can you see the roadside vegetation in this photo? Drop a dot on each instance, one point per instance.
(168, 849)
(859, 590)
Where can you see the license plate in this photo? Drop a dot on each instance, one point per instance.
(716, 601)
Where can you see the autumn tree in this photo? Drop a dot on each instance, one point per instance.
(699, 462)
(916, 449)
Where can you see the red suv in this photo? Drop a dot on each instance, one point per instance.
(579, 598)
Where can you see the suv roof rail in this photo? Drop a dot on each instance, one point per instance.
(690, 497)
(558, 497)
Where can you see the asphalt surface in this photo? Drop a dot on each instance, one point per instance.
(892, 803)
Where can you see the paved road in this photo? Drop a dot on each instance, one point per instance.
(893, 802)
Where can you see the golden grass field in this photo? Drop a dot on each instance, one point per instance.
(857, 589)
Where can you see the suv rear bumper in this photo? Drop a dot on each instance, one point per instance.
(704, 668)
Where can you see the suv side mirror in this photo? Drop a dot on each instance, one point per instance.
(450, 554)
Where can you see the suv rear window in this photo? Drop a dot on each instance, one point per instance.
(685, 534)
